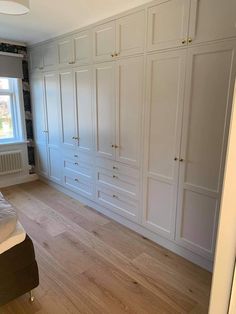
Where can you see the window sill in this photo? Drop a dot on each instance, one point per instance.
(13, 143)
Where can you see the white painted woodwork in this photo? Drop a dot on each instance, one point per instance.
(65, 51)
(50, 56)
(104, 41)
(105, 109)
(209, 87)
(36, 58)
(83, 84)
(168, 24)
(82, 47)
(165, 92)
(215, 20)
(130, 34)
(68, 109)
(117, 202)
(55, 164)
(53, 122)
(40, 124)
(129, 100)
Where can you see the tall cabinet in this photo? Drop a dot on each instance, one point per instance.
(131, 115)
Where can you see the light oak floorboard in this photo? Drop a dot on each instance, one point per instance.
(91, 264)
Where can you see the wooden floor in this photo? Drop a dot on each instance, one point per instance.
(91, 264)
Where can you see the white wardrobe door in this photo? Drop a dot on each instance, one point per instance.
(104, 41)
(165, 89)
(168, 24)
(209, 89)
(54, 130)
(105, 109)
(82, 47)
(40, 125)
(215, 20)
(85, 109)
(36, 58)
(129, 110)
(50, 55)
(65, 51)
(130, 34)
(68, 109)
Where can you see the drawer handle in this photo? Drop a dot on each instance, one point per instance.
(76, 180)
(115, 177)
(115, 168)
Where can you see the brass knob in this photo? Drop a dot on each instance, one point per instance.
(114, 196)
(116, 146)
(116, 54)
(184, 41)
(115, 177)
(113, 146)
(76, 180)
(175, 158)
(115, 168)
(112, 55)
(190, 40)
(181, 160)
(76, 164)
(76, 156)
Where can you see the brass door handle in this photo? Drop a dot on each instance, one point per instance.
(190, 40)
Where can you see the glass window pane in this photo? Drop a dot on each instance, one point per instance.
(6, 123)
(4, 83)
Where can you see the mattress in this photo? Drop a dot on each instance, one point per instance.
(15, 238)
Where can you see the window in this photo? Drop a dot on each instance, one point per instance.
(11, 123)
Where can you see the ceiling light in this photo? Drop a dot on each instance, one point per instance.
(14, 7)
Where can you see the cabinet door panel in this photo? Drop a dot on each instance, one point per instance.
(129, 109)
(68, 109)
(50, 56)
(85, 110)
(215, 20)
(105, 109)
(41, 159)
(130, 32)
(65, 51)
(165, 92)
(55, 164)
(36, 58)
(209, 89)
(82, 47)
(53, 108)
(163, 34)
(104, 42)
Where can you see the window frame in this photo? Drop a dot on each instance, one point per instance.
(18, 121)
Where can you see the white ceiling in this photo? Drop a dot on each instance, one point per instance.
(50, 18)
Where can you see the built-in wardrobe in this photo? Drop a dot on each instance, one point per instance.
(131, 117)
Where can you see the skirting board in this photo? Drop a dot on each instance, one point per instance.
(18, 180)
(192, 257)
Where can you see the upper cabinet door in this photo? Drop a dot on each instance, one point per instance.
(130, 34)
(168, 24)
(50, 56)
(84, 108)
(215, 19)
(52, 108)
(68, 109)
(105, 109)
(82, 47)
(36, 58)
(208, 98)
(165, 97)
(104, 41)
(65, 51)
(129, 110)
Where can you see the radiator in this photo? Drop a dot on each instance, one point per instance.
(10, 162)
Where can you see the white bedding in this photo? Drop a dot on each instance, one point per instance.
(15, 238)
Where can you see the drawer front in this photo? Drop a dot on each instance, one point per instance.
(83, 187)
(117, 202)
(117, 167)
(120, 182)
(81, 169)
(78, 157)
